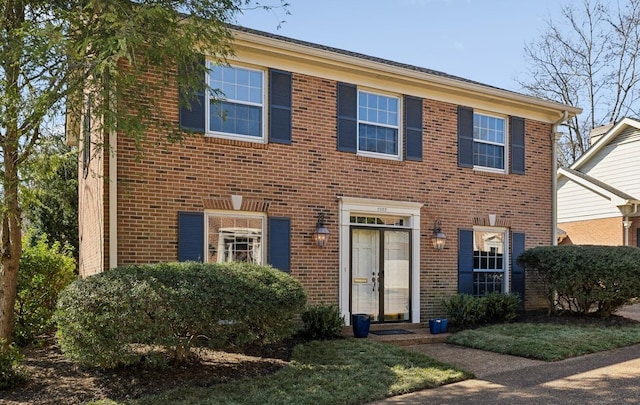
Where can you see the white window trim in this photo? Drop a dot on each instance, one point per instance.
(236, 214)
(400, 145)
(224, 135)
(507, 253)
(363, 206)
(506, 144)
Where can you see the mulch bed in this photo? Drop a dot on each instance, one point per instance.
(55, 380)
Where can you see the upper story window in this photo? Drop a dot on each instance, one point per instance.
(489, 141)
(378, 123)
(492, 143)
(239, 109)
(241, 106)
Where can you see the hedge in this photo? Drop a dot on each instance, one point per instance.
(585, 278)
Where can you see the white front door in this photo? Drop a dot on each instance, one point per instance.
(379, 259)
(380, 277)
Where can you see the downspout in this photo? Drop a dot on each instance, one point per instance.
(113, 199)
(554, 178)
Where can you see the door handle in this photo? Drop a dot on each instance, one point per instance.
(373, 279)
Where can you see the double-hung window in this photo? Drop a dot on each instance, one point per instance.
(235, 237)
(378, 124)
(238, 109)
(489, 141)
(489, 261)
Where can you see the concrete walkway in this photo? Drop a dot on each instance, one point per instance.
(611, 377)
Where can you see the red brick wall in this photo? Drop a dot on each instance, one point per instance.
(605, 231)
(305, 177)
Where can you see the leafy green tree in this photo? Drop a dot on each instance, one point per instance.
(49, 192)
(55, 55)
(46, 268)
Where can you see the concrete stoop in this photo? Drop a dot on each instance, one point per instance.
(420, 334)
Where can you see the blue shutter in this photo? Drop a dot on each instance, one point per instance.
(413, 128)
(465, 261)
(517, 272)
(192, 116)
(280, 243)
(465, 136)
(347, 117)
(279, 106)
(516, 130)
(190, 236)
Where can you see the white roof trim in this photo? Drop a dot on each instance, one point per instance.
(604, 141)
(467, 86)
(615, 199)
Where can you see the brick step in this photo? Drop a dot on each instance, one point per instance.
(420, 335)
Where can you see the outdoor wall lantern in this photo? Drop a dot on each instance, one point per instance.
(438, 238)
(321, 235)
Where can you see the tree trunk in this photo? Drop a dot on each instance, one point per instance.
(10, 215)
(11, 248)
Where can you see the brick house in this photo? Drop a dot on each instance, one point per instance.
(598, 200)
(381, 155)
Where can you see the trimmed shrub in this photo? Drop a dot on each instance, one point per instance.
(467, 310)
(322, 322)
(45, 270)
(463, 309)
(500, 308)
(175, 305)
(585, 278)
(11, 373)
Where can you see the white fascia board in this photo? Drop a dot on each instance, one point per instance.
(604, 141)
(340, 64)
(615, 200)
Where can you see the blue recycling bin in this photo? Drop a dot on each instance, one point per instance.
(360, 324)
(438, 325)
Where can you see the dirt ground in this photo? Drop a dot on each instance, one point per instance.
(55, 380)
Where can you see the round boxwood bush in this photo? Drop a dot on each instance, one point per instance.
(102, 319)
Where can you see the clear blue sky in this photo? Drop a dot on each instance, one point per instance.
(481, 40)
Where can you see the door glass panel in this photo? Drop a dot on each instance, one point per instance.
(396, 276)
(365, 252)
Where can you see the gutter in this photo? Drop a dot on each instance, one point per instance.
(113, 199)
(554, 179)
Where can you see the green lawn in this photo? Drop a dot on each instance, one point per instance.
(358, 371)
(345, 371)
(548, 342)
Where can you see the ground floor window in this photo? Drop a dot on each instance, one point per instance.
(489, 264)
(235, 237)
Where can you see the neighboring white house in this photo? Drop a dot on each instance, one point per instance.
(599, 195)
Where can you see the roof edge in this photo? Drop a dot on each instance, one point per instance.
(365, 61)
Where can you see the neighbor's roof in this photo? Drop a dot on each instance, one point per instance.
(605, 140)
(615, 195)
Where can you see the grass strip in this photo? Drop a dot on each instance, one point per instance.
(548, 342)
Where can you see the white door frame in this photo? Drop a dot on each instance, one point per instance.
(367, 206)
